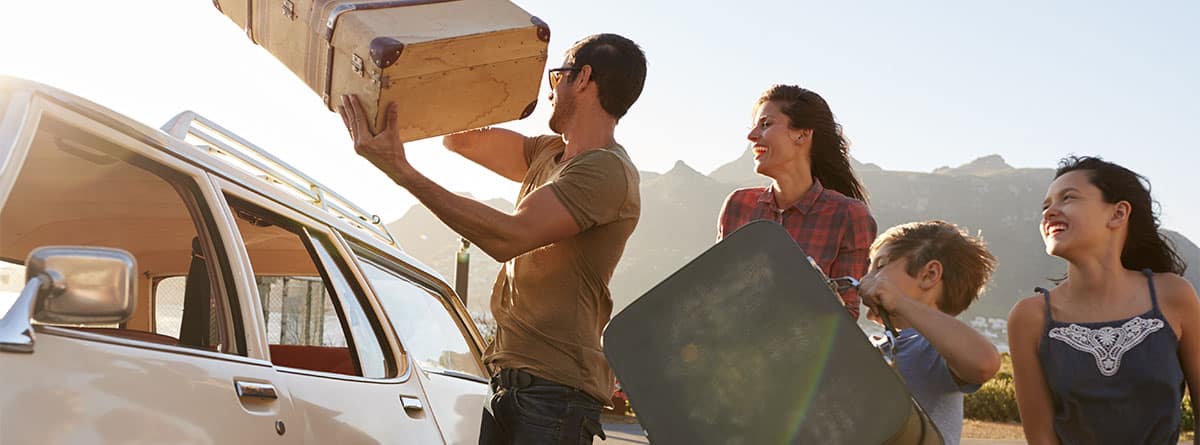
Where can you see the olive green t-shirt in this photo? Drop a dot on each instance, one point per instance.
(552, 303)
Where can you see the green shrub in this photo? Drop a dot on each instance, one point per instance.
(996, 401)
(1189, 420)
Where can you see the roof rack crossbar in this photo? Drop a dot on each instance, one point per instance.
(189, 123)
(217, 146)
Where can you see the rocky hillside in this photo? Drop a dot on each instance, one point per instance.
(680, 207)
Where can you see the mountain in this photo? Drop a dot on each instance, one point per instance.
(1190, 253)
(679, 211)
(985, 166)
(1003, 207)
(424, 237)
(738, 171)
(680, 208)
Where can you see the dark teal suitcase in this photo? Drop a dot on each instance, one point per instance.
(748, 344)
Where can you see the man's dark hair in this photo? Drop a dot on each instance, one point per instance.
(618, 68)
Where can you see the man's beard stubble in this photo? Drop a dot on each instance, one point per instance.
(563, 108)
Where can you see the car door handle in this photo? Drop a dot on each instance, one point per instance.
(255, 389)
(411, 405)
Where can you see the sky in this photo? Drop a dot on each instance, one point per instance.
(916, 86)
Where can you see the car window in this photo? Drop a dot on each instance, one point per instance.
(434, 337)
(79, 188)
(168, 305)
(315, 319)
(12, 279)
(169, 299)
(298, 311)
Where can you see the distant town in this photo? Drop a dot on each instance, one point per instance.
(995, 329)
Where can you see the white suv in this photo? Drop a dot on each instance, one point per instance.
(208, 293)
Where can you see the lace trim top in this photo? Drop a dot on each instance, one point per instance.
(1113, 382)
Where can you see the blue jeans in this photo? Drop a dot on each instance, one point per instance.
(540, 414)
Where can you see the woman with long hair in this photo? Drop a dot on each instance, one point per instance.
(1104, 355)
(813, 193)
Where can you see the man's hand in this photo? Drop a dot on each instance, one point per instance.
(877, 291)
(384, 150)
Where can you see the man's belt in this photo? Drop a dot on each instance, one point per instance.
(509, 378)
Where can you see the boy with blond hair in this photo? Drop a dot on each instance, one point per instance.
(924, 274)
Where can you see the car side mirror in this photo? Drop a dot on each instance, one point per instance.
(70, 285)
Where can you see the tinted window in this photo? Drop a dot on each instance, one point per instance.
(315, 319)
(424, 322)
(298, 311)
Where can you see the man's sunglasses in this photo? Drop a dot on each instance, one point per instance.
(556, 75)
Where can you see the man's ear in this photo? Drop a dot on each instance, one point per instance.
(583, 77)
(1120, 214)
(930, 275)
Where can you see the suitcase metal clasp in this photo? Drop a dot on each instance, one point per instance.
(289, 9)
(356, 64)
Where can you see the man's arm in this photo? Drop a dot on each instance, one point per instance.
(541, 218)
(496, 149)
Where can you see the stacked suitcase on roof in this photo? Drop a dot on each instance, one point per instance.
(450, 65)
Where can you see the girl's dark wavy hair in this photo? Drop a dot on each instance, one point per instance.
(830, 150)
(1145, 246)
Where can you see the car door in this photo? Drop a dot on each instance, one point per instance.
(435, 331)
(69, 180)
(346, 374)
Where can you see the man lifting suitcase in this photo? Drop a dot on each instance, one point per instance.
(577, 206)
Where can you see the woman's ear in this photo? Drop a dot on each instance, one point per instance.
(930, 275)
(1120, 214)
(801, 135)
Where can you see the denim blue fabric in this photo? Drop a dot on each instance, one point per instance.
(539, 414)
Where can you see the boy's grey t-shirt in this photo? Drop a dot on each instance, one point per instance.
(930, 382)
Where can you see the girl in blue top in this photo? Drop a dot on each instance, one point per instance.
(1103, 357)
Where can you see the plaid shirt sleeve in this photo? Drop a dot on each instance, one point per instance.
(735, 213)
(853, 256)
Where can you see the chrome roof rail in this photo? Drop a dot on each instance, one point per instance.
(207, 135)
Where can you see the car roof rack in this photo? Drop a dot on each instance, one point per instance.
(206, 134)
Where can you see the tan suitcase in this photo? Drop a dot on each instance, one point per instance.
(450, 65)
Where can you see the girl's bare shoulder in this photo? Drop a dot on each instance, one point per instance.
(1175, 292)
(1029, 312)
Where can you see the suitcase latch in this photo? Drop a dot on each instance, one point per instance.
(289, 9)
(356, 64)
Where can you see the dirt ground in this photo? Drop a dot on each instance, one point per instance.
(975, 429)
(972, 429)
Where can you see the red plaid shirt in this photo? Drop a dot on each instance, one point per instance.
(834, 229)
